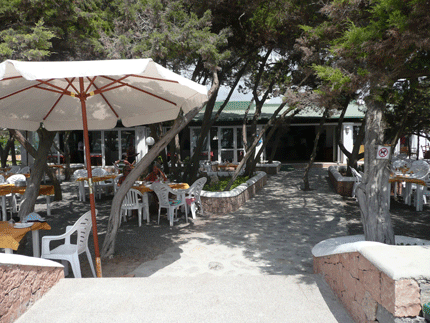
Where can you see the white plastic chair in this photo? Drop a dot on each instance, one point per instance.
(135, 200)
(358, 179)
(100, 186)
(24, 170)
(164, 202)
(115, 183)
(13, 199)
(192, 195)
(79, 173)
(420, 170)
(9, 198)
(15, 178)
(14, 169)
(69, 252)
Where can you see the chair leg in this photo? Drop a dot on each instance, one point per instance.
(90, 260)
(139, 216)
(193, 210)
(66, 267)
(76, 267)
(146, 206)
(159, 212)
(171, 215)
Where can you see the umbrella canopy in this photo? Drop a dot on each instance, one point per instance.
(137, 91)
(92, 95)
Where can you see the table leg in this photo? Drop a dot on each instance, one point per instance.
(389, 194)
(419, 197)
(3, 207)
(48, 206)
(36, 246)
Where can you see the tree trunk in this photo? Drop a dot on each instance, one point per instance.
(12, 153)
(114, 217)
(32, 190)
(5, 151)
(192, 168)
(372, 194)
(47, 170)
(190, 173)
(355, 154)
(252, 147)
(280, 120)
(67, 170)
(306, 186)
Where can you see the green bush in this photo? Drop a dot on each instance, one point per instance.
(223, 181)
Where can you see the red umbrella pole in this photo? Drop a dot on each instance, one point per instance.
(90, 178)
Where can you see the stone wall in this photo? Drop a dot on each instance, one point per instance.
(271, 169)
(226, 202)
(24, 281)
(342, 185)
(369, 294)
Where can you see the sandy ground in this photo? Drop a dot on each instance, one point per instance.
(282, 217)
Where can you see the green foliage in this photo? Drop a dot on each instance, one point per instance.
(223, 181)
(60, 29)
(333, 76)
(30, 46)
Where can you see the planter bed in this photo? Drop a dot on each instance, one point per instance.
(375, 281)
(271, 169)
(24, 280)
(342, 185)
(226, 202)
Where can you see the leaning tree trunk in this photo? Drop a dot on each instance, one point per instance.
(32, 190)
(47, 170)
(5, 151)
(280, 120)
(114, 217)
(252, 147)
(372, 193)
(306, 186)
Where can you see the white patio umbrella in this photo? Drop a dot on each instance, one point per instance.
(82, 95)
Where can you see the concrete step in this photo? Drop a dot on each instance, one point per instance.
(203, 298)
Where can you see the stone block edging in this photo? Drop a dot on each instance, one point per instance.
(23, 281)
(226, 202)
(270, 169)
(375, 281)
(342, 185)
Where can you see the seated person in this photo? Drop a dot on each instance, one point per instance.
(126, 170)
(125, 166)
(156, 174)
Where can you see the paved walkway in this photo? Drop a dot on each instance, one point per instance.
(254, 265)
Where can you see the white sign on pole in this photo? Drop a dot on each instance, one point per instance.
(383, 152)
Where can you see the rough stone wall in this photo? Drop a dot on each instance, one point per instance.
(343, 188)
(368, 294)
(224, 205)
(269, 170)
(22, 285)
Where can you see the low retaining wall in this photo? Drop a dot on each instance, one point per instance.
(377, 282)
(271, 169)
(342, 185)
(226, 202)
(23, 281)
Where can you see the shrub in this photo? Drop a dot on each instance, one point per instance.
(223, 181)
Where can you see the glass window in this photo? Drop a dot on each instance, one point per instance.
(128, 145)
(227, 139)
(239, 138)
(195, 134)
(95, 148)
(111, 147)
(227, 156)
